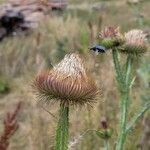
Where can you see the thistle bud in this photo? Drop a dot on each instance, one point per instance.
(135, 42)
(104, 131)
(111, 37)
(104, 134)
(67, 83)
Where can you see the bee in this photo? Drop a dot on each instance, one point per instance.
(98, 49)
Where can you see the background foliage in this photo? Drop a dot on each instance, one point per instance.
(76, 29)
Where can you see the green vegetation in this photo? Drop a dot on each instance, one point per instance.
(4, 87)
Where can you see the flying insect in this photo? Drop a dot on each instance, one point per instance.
(98, 49)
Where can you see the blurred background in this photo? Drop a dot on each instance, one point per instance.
(46, 30)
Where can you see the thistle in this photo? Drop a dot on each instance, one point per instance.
(111, 37)
(104, 132)
(132, 43)
(135, 42)
(68, 84)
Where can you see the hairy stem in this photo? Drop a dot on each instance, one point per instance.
(128, 70)
(62, 132)
(124, 104)
(123, 121)
(124, 90)
(117, 66)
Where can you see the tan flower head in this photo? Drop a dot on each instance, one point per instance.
(110, 32)
(67, 83)
(136, 42)
(111, 37)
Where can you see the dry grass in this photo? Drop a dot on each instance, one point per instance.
(22, 57)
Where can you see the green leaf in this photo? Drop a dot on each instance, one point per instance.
(101, 134)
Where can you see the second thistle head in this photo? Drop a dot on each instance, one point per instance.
(67, 83)
(135, 42)
(111, 37)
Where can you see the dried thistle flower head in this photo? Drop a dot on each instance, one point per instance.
(110, 32)
(111, 37)
(67, 83)
(135, 42)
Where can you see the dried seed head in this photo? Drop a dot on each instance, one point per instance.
(111, 37)
(110, 32)
(67, 82)
(72, 66)
(135, 42)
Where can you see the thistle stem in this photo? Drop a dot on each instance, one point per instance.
(123, 121)
(62, 132)
(106, 144)
(124, 104)
(128, 70)
(124, 93)
(117, 66)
